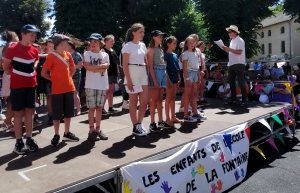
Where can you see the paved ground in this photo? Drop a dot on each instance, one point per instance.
(280, 173)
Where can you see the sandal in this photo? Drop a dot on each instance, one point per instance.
(230, 102)
(7, 128)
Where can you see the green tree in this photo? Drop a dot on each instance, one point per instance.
(246, 14)
(292, 7)
(114, 16)
(16, 13)
(277, 9)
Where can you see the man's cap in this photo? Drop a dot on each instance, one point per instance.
(233, 28)
(157, 32)
(31, 28)
(96, 36)
(58, 38)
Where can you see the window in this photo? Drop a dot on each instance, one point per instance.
(262, 35)
(263, 49)
(283, 46)
(270, 48)
(282, 30)
(269, 33)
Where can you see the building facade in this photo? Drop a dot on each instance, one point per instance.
(279, 36)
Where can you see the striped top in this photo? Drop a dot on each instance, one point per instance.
(23, 74)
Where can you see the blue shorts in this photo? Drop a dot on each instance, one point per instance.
(161, 76)
(173, 76)
(193, 75)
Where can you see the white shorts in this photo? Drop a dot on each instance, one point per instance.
(138, 75)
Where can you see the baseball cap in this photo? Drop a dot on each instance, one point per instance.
(157, 32)
(96, 36)
(58, 38)
(32, 28)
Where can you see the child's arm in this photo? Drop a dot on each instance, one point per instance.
(184, 68)
(36, 64)
(88, 66)
(44, 74)
(265, 91)
(6, 64)
(150, 54)
(72, 71)
(169, 83)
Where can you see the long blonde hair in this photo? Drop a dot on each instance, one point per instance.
(135, 27)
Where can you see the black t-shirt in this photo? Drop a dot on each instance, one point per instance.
(114, 61)
(296, 89)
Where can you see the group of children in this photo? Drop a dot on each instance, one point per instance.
(156, 69)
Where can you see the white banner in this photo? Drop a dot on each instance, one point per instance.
(208, 165)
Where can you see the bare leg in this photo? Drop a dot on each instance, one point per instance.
(77, 102)
(29, 112)
(98, 116)
(154, 98)
(18, 123)
(110, 95)
(144, 99)
(159, 104)
(133, 100)
(56, 126)
(67, 124)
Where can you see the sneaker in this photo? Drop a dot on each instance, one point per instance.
(144, 129)
(20, 149)
(199, 110)
(55, 140)
(71, 137)
(153, 127)
(37, 122)
(200, 116)
(164, 125)
(125, 105)
(102, 135)
(189, 119)
(93, 136)
(176, 120)
(138, 130)
(50, 121)
(32, 145)
(112, 110)
(104, 112)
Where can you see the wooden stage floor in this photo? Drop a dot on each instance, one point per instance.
(54, 167)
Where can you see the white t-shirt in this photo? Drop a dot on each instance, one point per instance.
(192, 60)
(203, 58)
(223, 89)
(237, 44)
(136, 52)
(96, 80)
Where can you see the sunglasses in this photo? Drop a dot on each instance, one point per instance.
(229, 32)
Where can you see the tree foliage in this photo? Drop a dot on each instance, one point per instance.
(16, 13)
(292, 7)
(116, 16)
(246, 14)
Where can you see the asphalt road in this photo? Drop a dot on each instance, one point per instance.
(279, 173)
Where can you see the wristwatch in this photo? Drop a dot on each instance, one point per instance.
(187, 79)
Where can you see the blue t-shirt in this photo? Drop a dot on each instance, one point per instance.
(172, 62)
(277, 72)
(268, 88)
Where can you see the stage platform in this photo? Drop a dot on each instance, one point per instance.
(72, 166)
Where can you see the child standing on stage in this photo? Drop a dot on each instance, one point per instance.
(190, 72)
(136, 78)
(173, 79)
(96, 84)
(20, 61)
(61, 67)
(157, 78)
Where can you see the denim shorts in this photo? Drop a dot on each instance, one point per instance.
(193, 76)
(161, 76)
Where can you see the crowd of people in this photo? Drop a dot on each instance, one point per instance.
(146, 73)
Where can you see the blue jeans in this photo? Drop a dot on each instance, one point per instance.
(160, 75)
(193, 76)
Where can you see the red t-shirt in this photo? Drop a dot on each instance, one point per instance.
(22, 70)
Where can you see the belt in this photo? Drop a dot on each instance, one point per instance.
(193, 69)
(138, 64)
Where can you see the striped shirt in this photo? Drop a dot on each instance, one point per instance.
(23, 74)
